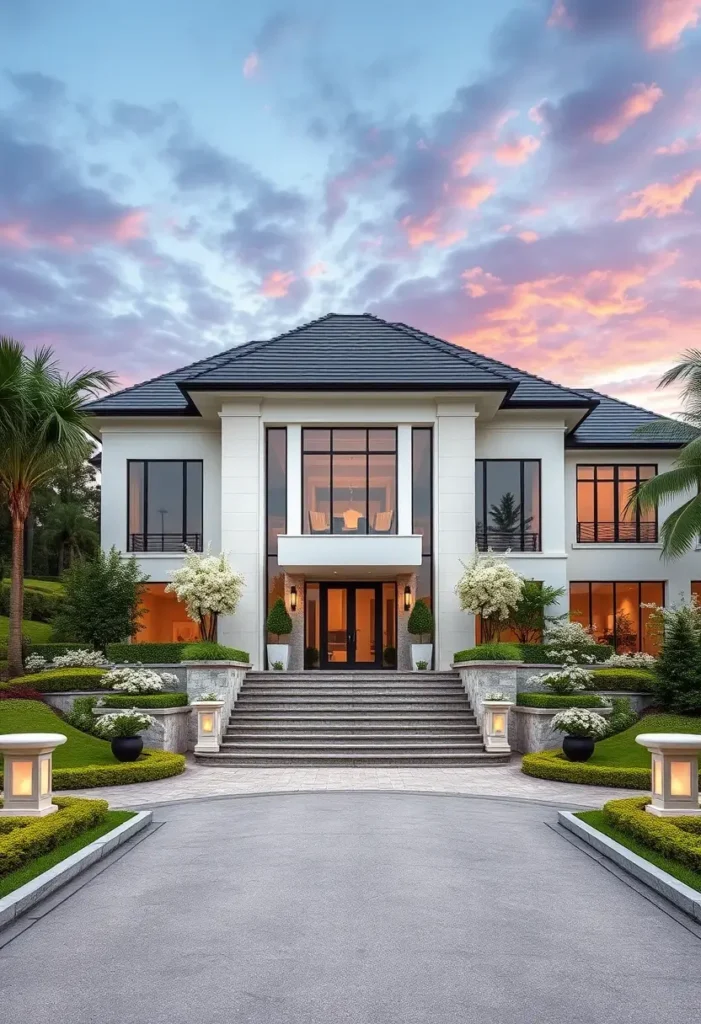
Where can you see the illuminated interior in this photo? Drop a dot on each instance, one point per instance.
(165, 619)
(615, 614)
(22, 778)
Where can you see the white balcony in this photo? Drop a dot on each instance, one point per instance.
(372, 553)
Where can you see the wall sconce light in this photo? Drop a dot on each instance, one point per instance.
(293, 599)
(675, 772)
(496, 725)
(407, 598)
(28, 773)
(208, 725)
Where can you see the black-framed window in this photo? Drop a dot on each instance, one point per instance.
(164, 504)
(349, 480)
(275, 512)
(507, 502)
(618, 612)
(603, 514)
(422, 507)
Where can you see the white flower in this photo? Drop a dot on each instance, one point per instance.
(494, 696)
(207, 585)
(571, 678)
(80, 659)
(489, 587)
(133, 680)
(210, 696)
(580, 722)
(569, 641)
(123, 723)
(638, 660)
(35, 663)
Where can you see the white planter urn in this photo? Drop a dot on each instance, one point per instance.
(421, 652)
(278, 652)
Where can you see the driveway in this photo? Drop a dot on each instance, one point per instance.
(324, 908)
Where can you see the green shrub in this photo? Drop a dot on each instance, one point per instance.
(149, 654)
(489, 652)
(81, 714)
(51, 651)
(59, 680)
(32, 837)
(534, 654)
(152, 765)
(633, 679)
(678, 668)
(678, 838)
(279, 622)
(421, 622)
(208, 650)
(559, 700)
(552, 764)
(142, 700)
(622, 716)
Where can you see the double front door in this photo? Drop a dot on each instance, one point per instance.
(350, 625)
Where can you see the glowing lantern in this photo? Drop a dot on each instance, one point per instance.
(495, 725)
(675, 772)
(208, 725)
(28, 759)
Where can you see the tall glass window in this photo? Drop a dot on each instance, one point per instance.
(603, 515)
(164, 502)
(349, 480)
(422, 507)
(275, 510)
(615, 614)
(507, 502)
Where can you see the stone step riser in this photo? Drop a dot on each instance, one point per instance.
(418, 719)
(350, 749)
(326, 730)
(322, 741)
(355, 694)
(343, 760)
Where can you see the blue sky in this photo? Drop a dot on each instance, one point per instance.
(521, 177)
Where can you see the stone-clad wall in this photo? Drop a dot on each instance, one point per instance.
(222, 677)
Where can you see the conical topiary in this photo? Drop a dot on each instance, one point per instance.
(421, 621)
(279, 621)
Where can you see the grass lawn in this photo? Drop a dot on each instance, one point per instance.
(37, 632)
(29, 871)
(623, 752)
(45, 586)
(672, 867)
(31, 716)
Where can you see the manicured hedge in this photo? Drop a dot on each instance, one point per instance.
(32, 837)
(678, 838)
(559, 700)
(152, 765)
(51, 651)
(207, 651)
(152, 654)
(552, 764)
(59, 680)
(489, 652)
(39, 605)
(634, 679)
(143, 700)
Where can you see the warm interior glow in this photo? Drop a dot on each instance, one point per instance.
(680, 778)
(207, 721)
(45, 776)
(165, 619)
(657, 776)
(498, 723)
(21, 778)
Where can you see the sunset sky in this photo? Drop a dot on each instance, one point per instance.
(522, 177)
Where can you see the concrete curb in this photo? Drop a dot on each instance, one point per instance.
(681, 895)
(19, 901)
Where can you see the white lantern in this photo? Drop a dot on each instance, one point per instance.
(495, 726)
(28, 770)
(675, 772)
(208, 725)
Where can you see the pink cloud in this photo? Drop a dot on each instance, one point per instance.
(251, 65)
(316, 270)
(529, 236)
(124, 228)
(466, 162)
(14, 234)
(664, 21)
(692, 283)
(421, 230)
(277, 283)
(661, 199)
(679, 146)
(471, 195)
(640, 102)
(517, 151)
(132, 225)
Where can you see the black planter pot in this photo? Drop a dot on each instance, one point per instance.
(578, 748)
(127, 748)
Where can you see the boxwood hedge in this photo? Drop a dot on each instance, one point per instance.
(558, 700)
(530, 654)
(208, 651)
(142, 700)
(29, 838)
(59, 680)
(152, 654)
(678, 838)
(633, 679)
(152, 765)
(552, 764)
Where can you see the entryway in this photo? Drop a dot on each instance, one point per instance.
(351, 625)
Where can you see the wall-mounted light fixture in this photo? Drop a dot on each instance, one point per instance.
(293, 599)
(407, 598)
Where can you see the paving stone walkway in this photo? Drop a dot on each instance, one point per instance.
(199, 782)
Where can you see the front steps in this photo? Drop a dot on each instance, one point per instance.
(316, 719)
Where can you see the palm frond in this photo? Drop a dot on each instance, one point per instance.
(682, 528)
(665, 486)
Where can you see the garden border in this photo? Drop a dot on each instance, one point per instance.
(157, 764)
(550, 764)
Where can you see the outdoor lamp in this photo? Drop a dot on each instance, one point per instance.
(496, 725)
(675, 772)
(28, 773)
(208, 725)
(293, 599)
(407, 598)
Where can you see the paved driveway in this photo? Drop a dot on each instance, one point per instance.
(353, 907)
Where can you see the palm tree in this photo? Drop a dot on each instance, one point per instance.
(682, 527)
(70, 532)
(42, 429)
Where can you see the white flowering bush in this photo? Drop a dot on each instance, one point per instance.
(80, 659)
(35, 663)
(122, 724)
(571, 678)
(490, 588)
(580, 722)
(637, 660)
(569, 641)
(210, 696)
(208, 587)
(137, 680)
(494, 696)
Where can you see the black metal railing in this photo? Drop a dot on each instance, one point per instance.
(617, 533)
(503, 540)
(164, 541)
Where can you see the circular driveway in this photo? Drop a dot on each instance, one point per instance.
(324, 908)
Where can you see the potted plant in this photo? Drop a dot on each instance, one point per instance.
(581, 727)
(123, 729)
(311, 657)
(280, 624)
(421, 624)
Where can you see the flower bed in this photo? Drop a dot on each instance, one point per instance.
(560, 700)
(59, 680)
(24, 839)
(143, 700)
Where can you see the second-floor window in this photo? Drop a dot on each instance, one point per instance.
(164, 500)
(349, 480)
(603, 515)
(507, 496)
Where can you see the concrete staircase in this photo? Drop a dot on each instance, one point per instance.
(352, 718)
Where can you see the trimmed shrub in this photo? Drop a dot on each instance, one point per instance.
(677, 672)
(622, 716)
(279, 622)
(560, 700)
(208, 650)
(81, 714)
(59, 680)
(421, 621)
(489, 652)
(552, 764)
(678, 838)
(51, 651)
(633, 679)
(534, 654)
(152, 765)
(32, 837)
(20, 693)
(39, 605)
(150, 654)
(143, 700)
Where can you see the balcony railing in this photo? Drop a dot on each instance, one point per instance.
(617, 533)
(503, 540)
(165, 541)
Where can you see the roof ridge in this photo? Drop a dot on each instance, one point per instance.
(631, 405)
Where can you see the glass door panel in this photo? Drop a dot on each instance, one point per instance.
(365, 632)
(337, 631)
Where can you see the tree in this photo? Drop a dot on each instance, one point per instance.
(528, 618)
(506, 516)
(678, 668)
(208, 587)
(682, 527)
(68, 531)
(421, 621)
(42, 430)
(490, 588)
(102, 602)
(279, 622)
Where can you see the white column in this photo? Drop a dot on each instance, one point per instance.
(242, 503)
(454, 512)
(294, 478)
(404, 476)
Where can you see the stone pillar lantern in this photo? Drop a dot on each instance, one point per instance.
(495, 725)
(675, 772)
(208, 725)
(28, 770)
